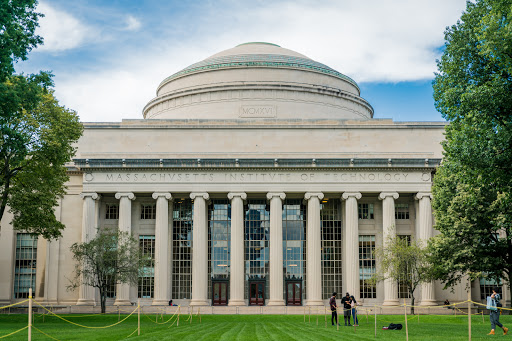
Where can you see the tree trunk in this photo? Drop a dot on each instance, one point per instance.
(103, 301)
(412, 304)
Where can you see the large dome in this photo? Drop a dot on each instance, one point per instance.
(258, 80)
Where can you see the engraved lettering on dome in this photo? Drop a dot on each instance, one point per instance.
(258, 111)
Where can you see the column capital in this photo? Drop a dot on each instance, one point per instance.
(166, 195)
(242, 195)
(281, 195)
(421, 195)
(204, 195)
(93, 195)
(347, 195)
(309, 195)
(384, 195)
(129, 195)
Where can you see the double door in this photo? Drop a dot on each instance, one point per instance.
(220, 293)
(293, 292)
(257, 293)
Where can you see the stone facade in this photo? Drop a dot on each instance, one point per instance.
(257, 142)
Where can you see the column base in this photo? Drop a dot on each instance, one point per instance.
(310, 303)
(84, 301)
(428, 302)
(194, 303)
(275, 303)
(160, 302)
(392, 302)
(122, 302)
(236, 303)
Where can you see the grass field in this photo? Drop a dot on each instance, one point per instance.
(250, 327)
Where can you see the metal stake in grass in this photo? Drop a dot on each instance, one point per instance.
(406, 329)
(375, 308)
(191, 313)
(179, 311)
(199, 314)
(337, 323)
(325, 316)
(118, 314)
(29, 314)
(304, 314)
(309, 314)
(483, 317)
(138, 316)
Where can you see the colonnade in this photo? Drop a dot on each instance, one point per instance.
(313, 252)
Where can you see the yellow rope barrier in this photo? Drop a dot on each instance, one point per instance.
(14, 304)
(19, 330)
(51, 337)
(80, 325)
(161, 322)
(133, 332)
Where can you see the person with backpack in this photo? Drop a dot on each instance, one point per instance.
(346, 308)
(494, 313)
(334, 309)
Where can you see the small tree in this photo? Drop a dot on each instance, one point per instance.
(404, 261)
(112, 257)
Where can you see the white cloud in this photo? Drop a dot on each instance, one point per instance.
(60, 30)
(370, 41)
(132, 24)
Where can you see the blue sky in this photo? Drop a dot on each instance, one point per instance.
(109, 56)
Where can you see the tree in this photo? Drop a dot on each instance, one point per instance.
(472, 188)
(404, 261)
(36, 137)
(112, 257)
(18, 22)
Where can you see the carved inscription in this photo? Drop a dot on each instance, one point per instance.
(259, 177)
(258, 111)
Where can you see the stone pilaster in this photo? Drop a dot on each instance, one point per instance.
(313, 251)
(351, 243)
(236, 276)
(425, 232)
(276, 248)
(125, 225)
(161, 296)
(200, 250)
(86, 295)
(389, 229)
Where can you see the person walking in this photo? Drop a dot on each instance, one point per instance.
(353, 304)
(334, 309)
(494, 313)
(346, 308)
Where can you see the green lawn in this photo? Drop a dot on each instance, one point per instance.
(250, 327)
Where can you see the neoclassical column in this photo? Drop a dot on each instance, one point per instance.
(313, 251)
(86, 295)
(200, 250)
(425, 232)
(125, 225)
(276, 248)
(388, 230)
(236, 276)
(161, 296)
(351, 243)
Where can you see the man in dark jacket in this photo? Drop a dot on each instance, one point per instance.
(346, 308)
(334, 308)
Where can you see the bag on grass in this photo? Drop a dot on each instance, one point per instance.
(395, 326)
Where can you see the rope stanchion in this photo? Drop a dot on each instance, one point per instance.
(179, 312)
(406, 327)
(337, 322)
(317, 318)
(17, 331)
(304, 314)
(138, 316)
(30, 314)
(325, 316)
(375, 309)
(80, 325)
(199, 313)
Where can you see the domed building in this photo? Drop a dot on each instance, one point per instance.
(257, 176)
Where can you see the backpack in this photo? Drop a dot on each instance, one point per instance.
(393, 326)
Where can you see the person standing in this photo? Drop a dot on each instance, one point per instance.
(346, 308)
(353, 304)
(494, 313)
(334, 308)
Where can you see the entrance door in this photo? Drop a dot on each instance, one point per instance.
(220, 293)
(256, 293)
(294, 293)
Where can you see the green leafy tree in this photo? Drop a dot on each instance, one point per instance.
(111, 258)
(18, 22)
(473, 186)
(404, 261)
(36, 137)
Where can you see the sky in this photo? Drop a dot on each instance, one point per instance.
(108, 57)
